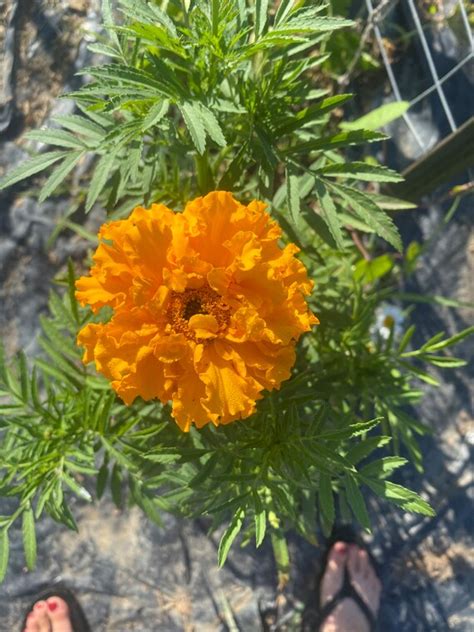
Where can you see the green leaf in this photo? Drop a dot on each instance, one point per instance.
(342, 139)
(261, 13)
(452, 340)
(326, 502)
(24, 382)
(102, 477)
(361, 171)
(312, 113)
(389, 203)
(30, 167)
(192, 118)
(79, 490)
(229, 536)
(356, 501)
(260, 520)
(116, 486)
(212, 127)
(370, 213)
(445, 361)
(29, 538)
(293, 195)
(407, 499)
(4, 553)
(407, 336)
(81, 125)
(56, 137)
(59, 174)
(155, 114)
(102, 173)
(368, 271)
(383, 467)
(365, 447)
(379, 117)
(353, 430)
(329, 213)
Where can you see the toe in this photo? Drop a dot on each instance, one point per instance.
(31, 623)
(353, 561)
(364, 563)
(334, 574)
(58, 613)
(41, 616)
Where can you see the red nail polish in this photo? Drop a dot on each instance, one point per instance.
(52, 605)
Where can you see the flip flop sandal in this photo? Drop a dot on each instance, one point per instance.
(77, 616)
(347, 591)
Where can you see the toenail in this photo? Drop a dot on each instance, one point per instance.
(52, 605)
(39, 605)
(340, 547)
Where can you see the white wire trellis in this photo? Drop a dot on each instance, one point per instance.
(375, 17)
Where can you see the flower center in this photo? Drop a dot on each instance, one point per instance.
(183, 306)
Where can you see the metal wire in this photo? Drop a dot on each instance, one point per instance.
(375, 19)
(391, 76)
(431, 66)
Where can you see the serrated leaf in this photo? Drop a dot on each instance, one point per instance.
(370, 213)
(342, 139)
(59, 174)
(56, 137)
(30, 167)
(329, 213)
(365, 447)
(409, 500)
(81, 125)
(353, 430)
(383, 467)
(194, 124)
(229, 536)
(4, 553)
(155, 114)
(29, 538)
(283, 10)
(356, 501)
(212, 127)
(102, 173)
(312, 113)
(361, 171)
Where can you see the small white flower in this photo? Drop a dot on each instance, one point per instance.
(387, 318)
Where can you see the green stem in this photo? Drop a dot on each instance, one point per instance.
(205, 179)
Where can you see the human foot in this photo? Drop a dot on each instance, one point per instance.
(348, 615)
(50, 615)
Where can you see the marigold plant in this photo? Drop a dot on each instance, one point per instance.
(198, 315)
(207, 307)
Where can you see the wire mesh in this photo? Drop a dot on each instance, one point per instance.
(376, 17)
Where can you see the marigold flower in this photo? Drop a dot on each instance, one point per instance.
(207, 307)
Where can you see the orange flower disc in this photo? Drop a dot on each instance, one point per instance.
(207, 307)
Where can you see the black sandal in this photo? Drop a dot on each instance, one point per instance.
(347, 591)
(78, 618)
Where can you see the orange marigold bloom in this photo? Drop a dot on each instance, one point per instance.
(207, 307)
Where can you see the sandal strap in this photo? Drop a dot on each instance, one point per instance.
(347, 592)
